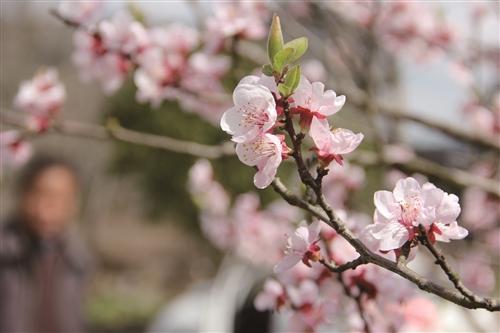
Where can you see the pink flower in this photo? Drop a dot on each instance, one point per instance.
(253, 114)
(123, 34)
(208, 193)
(95, 62)
(265, 152)
(477, 272)
(332, 145)
(42, 98)
(410, 205)
(239, 18)
(14, 151)
(311, 100)
(420, 314)
(204, 72)
(165, 64)
(314, 69)
(340, 182)
(302, 246)
(79, 11)
(272, 297)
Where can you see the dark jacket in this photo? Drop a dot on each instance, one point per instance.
(41, 282)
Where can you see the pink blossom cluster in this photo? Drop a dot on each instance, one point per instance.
(236, 20)
(246, 229)
(484, 117)
(172, 62)
(310, 295)
(259, 110)
(399, 214)
(41, 99)
(412, 28)
(14, 149)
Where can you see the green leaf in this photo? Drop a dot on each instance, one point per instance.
(281, 59)
(299, 47)
(267, 70)
(284, 90)
(275, 39)
(292, 78)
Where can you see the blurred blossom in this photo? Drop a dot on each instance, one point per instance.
(122, 33)
(80, 11)
(394, 175)
(476, 272)
(41, 98)
(240, 19)
(246, 229)
(398, 153)
(302, 246)
(420, 315)
(208, 193)
(14, 150)
(340, 182)
(405, 27)
(314, 69)
(96, 63)
(461, 73)
(271, 297)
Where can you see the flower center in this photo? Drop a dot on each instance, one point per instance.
(253, 114)
(409, 211)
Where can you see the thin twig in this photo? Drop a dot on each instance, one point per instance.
(358, 301)
(334, 268)
(113, 131)
(441, 261)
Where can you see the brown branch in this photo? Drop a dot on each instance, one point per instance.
(334, 268)
(358, 301)
(441, 261)
(430, 168)
(365, 158)
(361, 101)
(401, 270)
(113, 131)
(358, 98)
(339, 226)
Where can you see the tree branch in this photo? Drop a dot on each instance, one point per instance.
(441, 261)
(334, 268)
(113, 131)
(339, 226)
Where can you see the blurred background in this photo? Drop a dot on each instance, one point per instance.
(137, 217)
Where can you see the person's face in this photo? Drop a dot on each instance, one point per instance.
(51, 202)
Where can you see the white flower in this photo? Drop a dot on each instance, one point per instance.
(253, 113)
(302, 245)
(332, 145)
(312, 98)
(264, 152)
(398, 213)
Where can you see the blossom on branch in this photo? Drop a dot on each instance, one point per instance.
(399, 213)
(271, 297)
(79, 11)
(14, 150)
(302, 246)
(253, 114)
(41, 98)
(331, 145)
(266, 153)
(311, 100)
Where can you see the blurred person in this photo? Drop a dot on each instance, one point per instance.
(43, 263)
